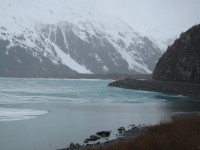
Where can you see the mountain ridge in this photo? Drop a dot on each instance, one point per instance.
(79, 44)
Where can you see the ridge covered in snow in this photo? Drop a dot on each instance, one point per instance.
(78, 40)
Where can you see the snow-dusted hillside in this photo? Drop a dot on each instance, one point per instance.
(48, 37)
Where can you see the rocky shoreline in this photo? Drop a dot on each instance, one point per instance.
(133, 131)
(176, 88)
(124, 134)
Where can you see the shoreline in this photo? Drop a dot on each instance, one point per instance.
(132, 133)
(128, 135)
(175, 88)
(181, 133)
(123, 135)
(111, 76)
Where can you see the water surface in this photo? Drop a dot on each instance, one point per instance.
(47, 114)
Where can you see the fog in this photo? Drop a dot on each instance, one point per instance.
(160, 18)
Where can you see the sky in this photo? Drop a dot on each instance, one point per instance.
(161, 18)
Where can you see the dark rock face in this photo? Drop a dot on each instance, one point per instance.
(65, 49)
(20, 63)
(181, 61)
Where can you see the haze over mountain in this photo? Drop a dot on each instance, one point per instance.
(40, 37)
(53, 37)
(160, 19)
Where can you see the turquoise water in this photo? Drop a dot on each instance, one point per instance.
(47, 114)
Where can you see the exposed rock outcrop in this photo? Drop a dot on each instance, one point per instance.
(181, 61)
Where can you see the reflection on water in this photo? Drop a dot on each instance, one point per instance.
(180, 106)
(172, 98)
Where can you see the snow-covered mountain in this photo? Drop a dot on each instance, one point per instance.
(48, 37)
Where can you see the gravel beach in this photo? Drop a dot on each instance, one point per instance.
(176, 88)
(130, 133)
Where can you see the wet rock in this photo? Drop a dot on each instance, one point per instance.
(103, 133)
(134, 128)
(93, 138)
(73, 146)
(107, 142)
(98, 143)
(86, 141)
(121, 129)
(89, 145)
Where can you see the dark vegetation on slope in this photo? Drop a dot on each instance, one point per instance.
(181, 61)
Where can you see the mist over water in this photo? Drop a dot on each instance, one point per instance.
(47, 114)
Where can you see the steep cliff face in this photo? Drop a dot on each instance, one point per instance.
(181, 61)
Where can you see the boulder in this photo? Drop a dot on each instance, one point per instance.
(103, 133)
(92, 138)
(121, 129)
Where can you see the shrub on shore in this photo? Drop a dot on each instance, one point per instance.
(182, 134)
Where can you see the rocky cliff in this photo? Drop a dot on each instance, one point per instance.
(181, 61)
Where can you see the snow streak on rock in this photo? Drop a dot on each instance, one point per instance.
(56, 35)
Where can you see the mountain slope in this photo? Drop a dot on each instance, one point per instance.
(181, 61)
(50, 38)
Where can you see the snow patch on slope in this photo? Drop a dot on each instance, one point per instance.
(25, 17)
(68, 61)
(133, 64)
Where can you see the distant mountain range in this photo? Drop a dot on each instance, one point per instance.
(48, 38)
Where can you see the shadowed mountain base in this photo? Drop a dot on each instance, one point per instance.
(185, 89)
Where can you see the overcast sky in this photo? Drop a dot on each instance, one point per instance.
(164, 18)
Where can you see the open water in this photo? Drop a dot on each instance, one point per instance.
(47, 114)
